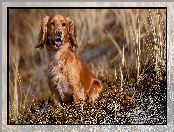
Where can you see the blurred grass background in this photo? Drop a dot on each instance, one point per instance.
(122, 43)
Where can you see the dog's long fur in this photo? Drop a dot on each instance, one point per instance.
(68, 77)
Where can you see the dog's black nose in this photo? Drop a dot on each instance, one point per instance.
(58, 33)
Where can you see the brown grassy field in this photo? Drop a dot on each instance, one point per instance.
(124, 48)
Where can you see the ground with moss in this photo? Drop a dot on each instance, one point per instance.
(142, 102)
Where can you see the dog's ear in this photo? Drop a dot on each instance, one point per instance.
(72, 33)
(43, 33)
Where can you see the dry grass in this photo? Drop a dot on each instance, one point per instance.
(124, 45)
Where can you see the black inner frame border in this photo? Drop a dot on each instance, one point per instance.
(8, 8)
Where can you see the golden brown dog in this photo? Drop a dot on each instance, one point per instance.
(68, 77)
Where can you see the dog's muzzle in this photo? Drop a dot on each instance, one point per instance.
(58, 39)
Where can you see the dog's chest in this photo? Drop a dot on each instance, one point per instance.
(58, 78)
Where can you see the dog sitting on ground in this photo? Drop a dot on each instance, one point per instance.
(68, 77)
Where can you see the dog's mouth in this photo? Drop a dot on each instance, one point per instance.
(58, 41)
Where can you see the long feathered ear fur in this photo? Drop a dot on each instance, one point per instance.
(43, 33)
(72, 33)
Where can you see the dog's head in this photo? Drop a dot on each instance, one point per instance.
(57, 31)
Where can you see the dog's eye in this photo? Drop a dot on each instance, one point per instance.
(52, 23)
(63, 24)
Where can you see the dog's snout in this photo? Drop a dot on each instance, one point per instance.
(58, 32)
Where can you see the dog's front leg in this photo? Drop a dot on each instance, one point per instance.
(78, 94)
(78, 91)
(56, 97)
(56, 100)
